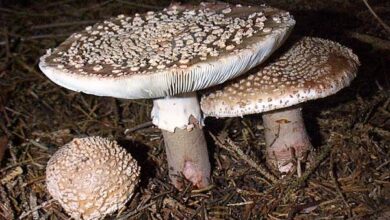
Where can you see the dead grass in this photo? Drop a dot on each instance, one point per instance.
(351, 130)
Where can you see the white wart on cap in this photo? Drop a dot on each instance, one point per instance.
(177, 50)
(313, 68)
(91, 177)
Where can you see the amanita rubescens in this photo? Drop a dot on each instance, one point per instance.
(91, 177)
(313, 68)
(168, 55)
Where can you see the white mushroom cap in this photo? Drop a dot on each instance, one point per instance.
(313, 68)
(91, 177)
(177, 50)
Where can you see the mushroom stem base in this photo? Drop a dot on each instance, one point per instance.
(187, 154)
(286, 138)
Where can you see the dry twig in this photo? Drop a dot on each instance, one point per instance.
(243, 156)
(375, 42)
(384, 25)
(138, 127)
(337, 185)
(32, 211)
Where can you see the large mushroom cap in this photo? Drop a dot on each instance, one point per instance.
(313, 68)
(177, 50)
(91, 177)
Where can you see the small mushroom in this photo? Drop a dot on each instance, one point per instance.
(168, 55)
(91, 177)
(313, 68)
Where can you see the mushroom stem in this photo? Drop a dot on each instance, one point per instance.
(187, 154)
(286, 138)
(180, 120)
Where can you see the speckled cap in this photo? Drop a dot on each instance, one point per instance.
(179, 49)
(91, 177)
(313, 68)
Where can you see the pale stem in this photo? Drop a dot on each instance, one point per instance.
(286, 138)
(180, 120)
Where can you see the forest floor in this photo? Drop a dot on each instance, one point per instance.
(350, 130)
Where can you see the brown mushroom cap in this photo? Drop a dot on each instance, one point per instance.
(177, 50)
(313, 68)
(91, 177)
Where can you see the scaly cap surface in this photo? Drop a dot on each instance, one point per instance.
(91, 177)
(177, 50)
(313, 68)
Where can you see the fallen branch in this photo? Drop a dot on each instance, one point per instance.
(63, 24)
(138, 127)
(384, 25)
(375, 42)
(243, 156)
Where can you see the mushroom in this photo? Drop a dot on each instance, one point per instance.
(168, 55)
(91, 177)
(313, 68)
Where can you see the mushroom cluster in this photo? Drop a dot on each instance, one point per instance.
(312, 68)
(91, 177)
(169, 55)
